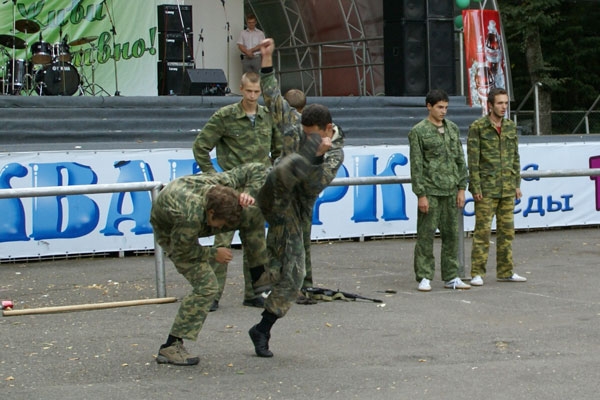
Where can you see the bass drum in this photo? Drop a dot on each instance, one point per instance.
(57, 79)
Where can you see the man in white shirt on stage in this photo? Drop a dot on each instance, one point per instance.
(249, 45)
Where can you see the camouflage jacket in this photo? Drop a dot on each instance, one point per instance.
(494, 162)
(437, 161)
(288, 120)
(180, 208)
(238, 142)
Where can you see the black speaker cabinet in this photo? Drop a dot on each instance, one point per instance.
(405, 58)
(442, 67)
(204, 82)
(173, 48)
(171, 76)
(396, 10)
(169, 18)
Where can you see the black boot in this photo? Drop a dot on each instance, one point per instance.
(261, 342)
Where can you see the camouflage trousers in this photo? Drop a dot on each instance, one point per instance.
(306, 231)
(254, 254)
(485, 210)
(285, 209)
(195, 305)
(442, 215)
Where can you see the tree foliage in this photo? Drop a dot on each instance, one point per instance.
(569, 48)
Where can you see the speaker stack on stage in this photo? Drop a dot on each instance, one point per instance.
(418, 40)
(175, 51)
(177, 74)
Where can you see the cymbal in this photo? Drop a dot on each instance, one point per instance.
(83, 40)
(27, 25)
(10, 40)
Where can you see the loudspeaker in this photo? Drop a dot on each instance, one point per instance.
(171, 76)
(440, 8)
(396, 10)
(169, 19)
(172, 47)
(405, 58)
(204, 82)
(418, 47)
(441, 56)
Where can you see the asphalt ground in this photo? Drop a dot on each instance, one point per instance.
(533, 340)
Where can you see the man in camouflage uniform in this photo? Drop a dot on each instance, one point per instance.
(495, 181)
(313, 155)
(243, 132)
(286, 111)
(200, 206)
(439, 179)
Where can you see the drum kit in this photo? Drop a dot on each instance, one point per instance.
(48, 70)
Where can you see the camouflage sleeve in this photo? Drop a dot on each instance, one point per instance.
(285, 117)
(473, 154)
(206, 140)
(188, 248)
(416, 163)
(463, 174)
(321, 175)
(517, 164)
(274, 100)
(276, 143)
(244, 178)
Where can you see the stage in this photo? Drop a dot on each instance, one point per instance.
(42, 123)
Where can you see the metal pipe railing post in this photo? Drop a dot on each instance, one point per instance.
(585, 117)
(537, 108)
(461, 242)
(159, 260)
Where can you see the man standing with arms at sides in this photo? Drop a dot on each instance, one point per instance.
(287, 112)
(243, 132)
(439, 179)
(495, 183)
(249, 44)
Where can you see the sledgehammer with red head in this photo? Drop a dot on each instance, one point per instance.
(7, 304)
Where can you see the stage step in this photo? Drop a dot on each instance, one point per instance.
(63, 123)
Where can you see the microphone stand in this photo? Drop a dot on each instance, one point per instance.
(114, 33)
(201, 40)
(14, 49)
(228, 27)
(186, 44)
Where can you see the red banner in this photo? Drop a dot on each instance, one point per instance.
(484, 55)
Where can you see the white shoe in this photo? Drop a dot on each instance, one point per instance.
(457, 283)
(424, 285)
(476, 281)
(513, 278)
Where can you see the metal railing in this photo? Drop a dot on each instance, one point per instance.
(152, 187)
(155, 187)
(585, 118)
(364, 69)
(536, 104)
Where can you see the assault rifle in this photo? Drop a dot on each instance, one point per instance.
(332, 293)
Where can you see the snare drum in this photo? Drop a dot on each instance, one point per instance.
(60, 52)
(58, 79)
(41, 53)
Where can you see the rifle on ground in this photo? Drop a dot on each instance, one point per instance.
(332, 294)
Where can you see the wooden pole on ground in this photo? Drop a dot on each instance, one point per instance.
(87, 307)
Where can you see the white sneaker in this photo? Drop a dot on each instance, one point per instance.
(513, 278)
(425, 285)
(457, 283)
(476, 281)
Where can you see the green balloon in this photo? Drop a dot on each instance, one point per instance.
(462, 4)
(458, 22)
